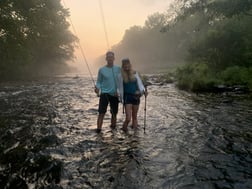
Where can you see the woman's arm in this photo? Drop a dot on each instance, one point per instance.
(140, 84)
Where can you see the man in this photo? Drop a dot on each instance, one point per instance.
(106, 88)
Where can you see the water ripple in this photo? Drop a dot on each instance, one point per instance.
(48, 139)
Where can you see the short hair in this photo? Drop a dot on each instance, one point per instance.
(110, 53)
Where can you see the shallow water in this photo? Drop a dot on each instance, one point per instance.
(48, 139)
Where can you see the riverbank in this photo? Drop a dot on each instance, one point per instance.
(199, 86)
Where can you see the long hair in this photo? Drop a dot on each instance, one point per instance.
(127, 75)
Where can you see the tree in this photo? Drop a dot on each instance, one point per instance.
(34, 37)
(156, 20)
(225, 46)
(216, 9)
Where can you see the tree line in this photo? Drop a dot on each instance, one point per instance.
(204, 43)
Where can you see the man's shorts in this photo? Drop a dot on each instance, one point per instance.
(106, 99)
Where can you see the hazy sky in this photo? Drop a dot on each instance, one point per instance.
(119, 15)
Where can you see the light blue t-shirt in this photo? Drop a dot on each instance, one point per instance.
(106, 80)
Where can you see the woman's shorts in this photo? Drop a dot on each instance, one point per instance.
(131, 99)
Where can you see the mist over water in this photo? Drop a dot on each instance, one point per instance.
(48, 139)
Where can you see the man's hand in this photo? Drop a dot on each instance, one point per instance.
(96, 90)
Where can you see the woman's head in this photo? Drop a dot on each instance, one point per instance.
(126, 65)
(127, 72)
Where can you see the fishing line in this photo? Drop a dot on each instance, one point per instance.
(79, 44)
(104, 24)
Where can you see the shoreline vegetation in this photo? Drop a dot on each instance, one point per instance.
(234, 80)
(200, 78)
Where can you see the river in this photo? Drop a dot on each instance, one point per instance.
(48, 139)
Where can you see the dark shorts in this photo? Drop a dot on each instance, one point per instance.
(106, 99)
(131, 99)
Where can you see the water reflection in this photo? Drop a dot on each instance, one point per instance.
(48, 139)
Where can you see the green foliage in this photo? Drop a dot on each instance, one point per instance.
(195, 77)
(225, 44)
(214, 10)
(34, 36)
(198, 77)
(224, 47)
(212, 37)
(237, 76)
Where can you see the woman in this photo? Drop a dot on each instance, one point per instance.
(130, 89)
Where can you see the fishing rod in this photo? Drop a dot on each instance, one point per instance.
(104, 24)
(79, 44)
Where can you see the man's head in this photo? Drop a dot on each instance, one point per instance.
(110, 57)
(110, 53)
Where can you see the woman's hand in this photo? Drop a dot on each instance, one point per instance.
(138, 93)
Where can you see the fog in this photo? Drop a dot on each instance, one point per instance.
(80, 67)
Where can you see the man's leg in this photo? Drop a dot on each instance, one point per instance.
(100, 121)
(103, 103)
(114, 110)
(113, 121)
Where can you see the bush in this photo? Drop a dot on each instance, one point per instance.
(236, 75)
(195, 77)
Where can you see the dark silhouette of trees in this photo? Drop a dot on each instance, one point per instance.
(34, 38)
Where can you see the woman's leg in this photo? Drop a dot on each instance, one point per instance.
(128, 112)
(134, 115)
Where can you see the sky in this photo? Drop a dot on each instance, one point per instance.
(119, 15)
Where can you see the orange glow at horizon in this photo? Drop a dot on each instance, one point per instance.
(119, 16)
